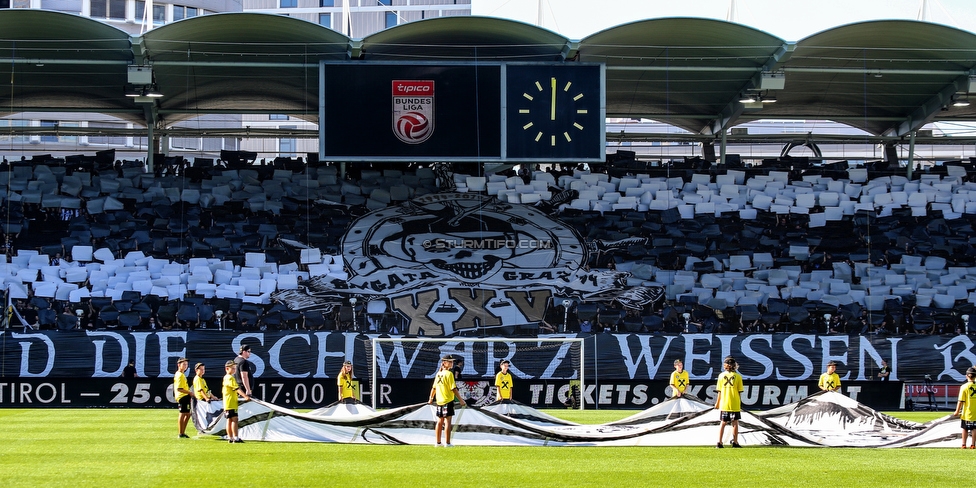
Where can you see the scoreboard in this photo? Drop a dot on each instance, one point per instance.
(462, 112)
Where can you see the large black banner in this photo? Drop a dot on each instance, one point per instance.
(538, 393)
(624, 394)
(151, 392)
(291, 355)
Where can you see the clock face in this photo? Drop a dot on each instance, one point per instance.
(554, 112)
(551, 110)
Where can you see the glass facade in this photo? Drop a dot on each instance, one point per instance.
(51, 137)
(6, 136)
(108, 9)
(159, 12)
(70, 6)
(107, 140)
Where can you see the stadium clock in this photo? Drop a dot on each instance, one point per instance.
(555, 112)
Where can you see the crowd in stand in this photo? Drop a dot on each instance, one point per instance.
(685, 316)
(858, 247)
(191, 313)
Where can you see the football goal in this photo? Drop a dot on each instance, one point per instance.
(545, 359)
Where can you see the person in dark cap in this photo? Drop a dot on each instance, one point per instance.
(830, 381)
(230, 390)
(885, 372)
(729, 400)
(200, 389)
(444, 392)
(504, 383)
(245, 369)
(347, 385)
(182, 393)
(130, 370)
(966, 408)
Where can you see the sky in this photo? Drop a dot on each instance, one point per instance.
(790, 20)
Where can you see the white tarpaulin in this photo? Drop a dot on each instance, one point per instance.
(824, 419)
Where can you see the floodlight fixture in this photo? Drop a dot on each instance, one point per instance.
(773, 80)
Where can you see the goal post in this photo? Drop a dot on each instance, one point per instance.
(544, 359)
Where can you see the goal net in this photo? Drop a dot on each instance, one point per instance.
(553, 367)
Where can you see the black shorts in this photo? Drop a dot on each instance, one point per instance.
(348, 400)
(231, 414)
(729, 416)
(445, 411)
(967, 424)
(184, 404)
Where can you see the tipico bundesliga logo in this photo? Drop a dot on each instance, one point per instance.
(413, 110)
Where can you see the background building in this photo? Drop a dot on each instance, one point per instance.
(356, 19)
(673, 108)
(360, 18)
(131, 17)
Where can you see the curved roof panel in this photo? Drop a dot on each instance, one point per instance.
(54, 59)
(252, 61)
(465, 38)
(682, 70)
(878, 75)
(244, 38)
(885, 77)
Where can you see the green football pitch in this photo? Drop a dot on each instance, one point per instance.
(139, 447)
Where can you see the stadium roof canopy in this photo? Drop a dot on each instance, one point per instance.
(884, 77)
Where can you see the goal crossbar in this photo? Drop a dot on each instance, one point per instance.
(561, 340)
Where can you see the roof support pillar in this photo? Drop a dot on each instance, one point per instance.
(151, 137)
(138, 47)
(722, 151)
(152, 119)
(164, 144)
(911, 154)
(355, 49)
(570, 50)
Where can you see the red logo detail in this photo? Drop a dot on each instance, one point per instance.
(412, 127)
(413, 87)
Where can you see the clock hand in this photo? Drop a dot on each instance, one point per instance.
(552, 106)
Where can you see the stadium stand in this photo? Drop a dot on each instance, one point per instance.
(757, 249)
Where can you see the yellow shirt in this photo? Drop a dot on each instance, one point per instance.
(829, 381)
(200, 388)
(967, 396)
(729, 385)
(444, 386)
(179, 382)
(679, 380)
(503, 381)
(347, 386)
(229, 389)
